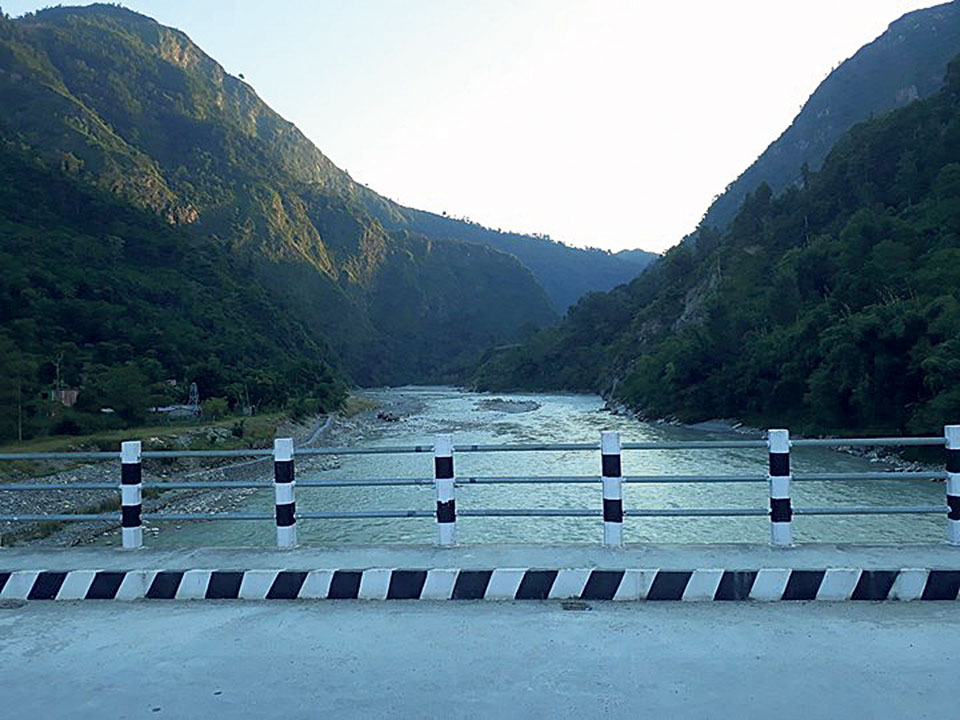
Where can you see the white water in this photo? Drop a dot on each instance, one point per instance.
(568, 418)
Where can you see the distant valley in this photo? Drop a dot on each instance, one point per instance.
(163, 227)
(821, 298)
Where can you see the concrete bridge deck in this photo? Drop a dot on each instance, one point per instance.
(476, 659)
(350, 659)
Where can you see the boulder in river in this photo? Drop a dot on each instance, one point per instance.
(508, 406)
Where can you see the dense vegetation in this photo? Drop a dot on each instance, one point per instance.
(159, 222)
(98, 295)
(566, 273)
(905, 63)
(835, 307)
(134, 107)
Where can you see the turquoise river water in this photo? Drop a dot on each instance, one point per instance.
(427, 411)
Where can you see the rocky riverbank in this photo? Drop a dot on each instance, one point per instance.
(317, 431)
(891, 458)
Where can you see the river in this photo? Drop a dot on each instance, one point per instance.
(426, 411)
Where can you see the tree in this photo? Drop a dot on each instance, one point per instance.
(125, 390)
(18, 390)
(214, 408)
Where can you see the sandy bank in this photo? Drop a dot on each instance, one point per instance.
(319, 431)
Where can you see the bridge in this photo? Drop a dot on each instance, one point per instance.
(779, 478)
(597, 642)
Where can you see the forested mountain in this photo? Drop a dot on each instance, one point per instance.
(905, 63)
(566, 273)
(99, 295)
(835, 307)
(188, 225)
(640, 257)
(137, 108)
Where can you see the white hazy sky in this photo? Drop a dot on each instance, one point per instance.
(609, 123)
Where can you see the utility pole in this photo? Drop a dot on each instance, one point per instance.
(57, 366)
(19, 408)
(58, 387)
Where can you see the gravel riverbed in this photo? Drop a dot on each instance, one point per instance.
(318, 431)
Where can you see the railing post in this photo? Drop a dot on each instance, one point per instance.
(283, 487)
(131, 497)
(446, 501)
(951, 434)
(778, 442)
(612, 489)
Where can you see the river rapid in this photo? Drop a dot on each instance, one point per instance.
(472, 418)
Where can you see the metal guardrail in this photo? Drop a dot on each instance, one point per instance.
(779, 477)
(409, 449)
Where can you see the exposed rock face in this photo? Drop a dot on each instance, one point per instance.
(905, 63)
(136, 109)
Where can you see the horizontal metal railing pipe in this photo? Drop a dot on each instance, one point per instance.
(529, 480)
(591, 479)
(586, 512)
(206, 485)
(873, 510)
(538, 447)
(183, 517)
(373, 482)
(867, 442)
(397, 450)
(61, 517)
(482, 512)
(482, 480)
(61, 456)
(694, 445)
(669, 479)
(531, 512)
(880, 475)
(58, 486)
(351, 515)
(205, 453)
(696, 512)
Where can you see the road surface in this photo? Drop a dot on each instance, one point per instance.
(409, 659)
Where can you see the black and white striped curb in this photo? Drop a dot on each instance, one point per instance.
(499, 584)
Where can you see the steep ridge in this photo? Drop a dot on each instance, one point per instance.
(101, 296)
(905, 63)
(835, 308)
(566, 273)
(127, 106)
(175, 133)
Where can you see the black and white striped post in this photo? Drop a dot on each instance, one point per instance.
(446, 501)
(131, 497)
(778, 442)
(283, 486)
(951, 434)
(612, 489)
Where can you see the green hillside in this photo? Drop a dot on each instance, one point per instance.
(138, 109)
(565, 273)
(98, 295)
(159, 222)
(122, 105)
(835, 307)
(905, 63)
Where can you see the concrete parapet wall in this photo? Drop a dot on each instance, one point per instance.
(629, 584)
(687, 573)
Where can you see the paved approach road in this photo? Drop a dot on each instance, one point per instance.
(353, 659)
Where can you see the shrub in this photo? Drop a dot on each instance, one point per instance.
(214, 408)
